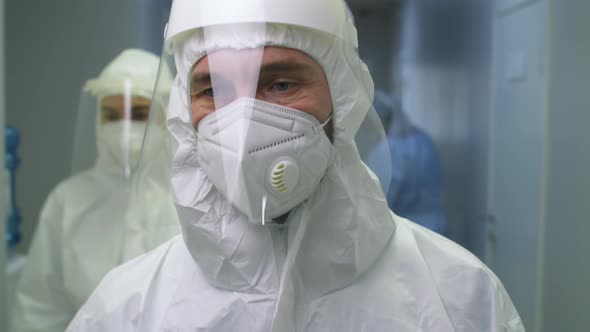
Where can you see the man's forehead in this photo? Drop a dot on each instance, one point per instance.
(260, 59)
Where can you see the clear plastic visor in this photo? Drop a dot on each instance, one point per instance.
(258, 115)
(110, 130)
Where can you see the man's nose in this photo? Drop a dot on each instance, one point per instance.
(246, 89)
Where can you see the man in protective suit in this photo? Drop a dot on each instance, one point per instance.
(284, 228)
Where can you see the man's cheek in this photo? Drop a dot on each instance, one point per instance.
(199, 115)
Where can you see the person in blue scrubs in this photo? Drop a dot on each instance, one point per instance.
(415, 191)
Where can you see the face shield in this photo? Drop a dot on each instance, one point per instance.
(258, 109)
(113, 115)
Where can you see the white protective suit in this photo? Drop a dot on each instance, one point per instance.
(89, 223)
(343, 262)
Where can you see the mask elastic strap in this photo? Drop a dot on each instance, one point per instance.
(323, 124)
(264, 209)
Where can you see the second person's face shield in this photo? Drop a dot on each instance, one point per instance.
(110, 130)
(114, 111)
(260, 111)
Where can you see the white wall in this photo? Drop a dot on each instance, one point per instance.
(567, 247)
(540, 160)
(517, 169)
(52, 48)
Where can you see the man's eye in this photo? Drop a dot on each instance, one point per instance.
(206, 92)
(282, 86)
(209, 92)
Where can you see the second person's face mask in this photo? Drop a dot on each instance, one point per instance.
(122, 141)
(264, 158)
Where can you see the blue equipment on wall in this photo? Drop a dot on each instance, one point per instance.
(12, 161)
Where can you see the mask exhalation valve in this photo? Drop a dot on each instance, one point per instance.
(284, 176)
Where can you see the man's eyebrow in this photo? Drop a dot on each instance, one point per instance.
(284, 66)
(201, 78)
(204, 77)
